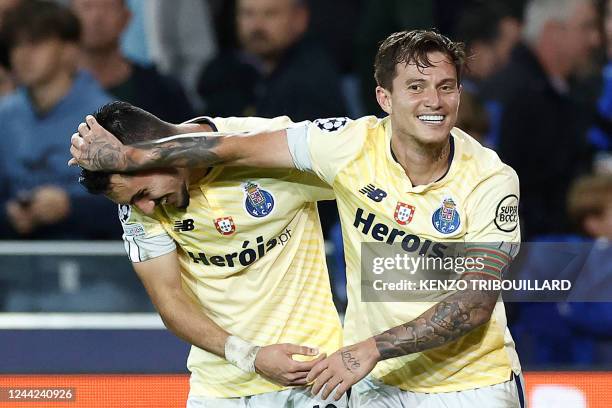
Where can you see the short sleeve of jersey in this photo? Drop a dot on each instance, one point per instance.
(330, 143)
(250, 124)
(493, 226)
(311, 187)
(144, 238)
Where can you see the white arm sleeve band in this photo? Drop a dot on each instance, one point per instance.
(297, 138)
(140, 249)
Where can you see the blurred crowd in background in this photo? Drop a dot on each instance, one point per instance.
(537, 89)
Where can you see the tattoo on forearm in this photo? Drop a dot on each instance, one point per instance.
(439, 325)
(450, 316)
(181, 152)
(350, 362)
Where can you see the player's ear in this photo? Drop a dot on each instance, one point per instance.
(383, 97)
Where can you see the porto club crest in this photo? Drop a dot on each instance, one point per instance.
(446, 218)
(258, 202)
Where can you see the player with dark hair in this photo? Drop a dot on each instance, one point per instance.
(248, 281)
(411, 179)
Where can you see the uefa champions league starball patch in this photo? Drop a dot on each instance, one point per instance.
(124, 213)
(258, 202)
(446, 218)
(331, 124)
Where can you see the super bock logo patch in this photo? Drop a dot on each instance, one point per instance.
(446, 219)
(506, 213)
(258, 202)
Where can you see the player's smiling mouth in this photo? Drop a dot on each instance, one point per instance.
(432, 119)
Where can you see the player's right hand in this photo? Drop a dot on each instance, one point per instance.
(276, 363)
(95, 148)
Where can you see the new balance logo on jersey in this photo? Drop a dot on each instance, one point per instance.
(184, 225)
(373, 193)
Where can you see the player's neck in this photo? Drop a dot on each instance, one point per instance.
(423, 163)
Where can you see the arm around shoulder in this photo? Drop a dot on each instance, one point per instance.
(96, 149)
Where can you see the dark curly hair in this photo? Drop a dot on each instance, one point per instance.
(413, 46)
(130, 125)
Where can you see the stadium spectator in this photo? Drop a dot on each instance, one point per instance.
(490, 31)
(590, 315)
(39, 198)
(176, 36)
(103, 22)
(7, 84)
(181, 40)
(542, 129)
(601, 135)
(275, 71)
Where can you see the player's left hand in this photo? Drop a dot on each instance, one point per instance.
(344, 368)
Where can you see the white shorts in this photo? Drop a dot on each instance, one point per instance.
(372, 393)
(299, 397)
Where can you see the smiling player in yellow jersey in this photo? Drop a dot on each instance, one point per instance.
(411, 179)
(229, 251)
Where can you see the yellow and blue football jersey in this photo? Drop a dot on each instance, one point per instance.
(475, 202)
(252, 257)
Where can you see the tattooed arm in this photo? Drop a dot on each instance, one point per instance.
(96, 149)
(441, 324)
